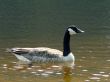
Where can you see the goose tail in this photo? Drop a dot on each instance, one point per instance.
(17, 51)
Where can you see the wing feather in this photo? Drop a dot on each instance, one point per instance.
(40, 52)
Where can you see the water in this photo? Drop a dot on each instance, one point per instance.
(42, 23)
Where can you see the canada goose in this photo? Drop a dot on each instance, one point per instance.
(45, 54)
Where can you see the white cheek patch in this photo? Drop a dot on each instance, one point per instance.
(71, 31)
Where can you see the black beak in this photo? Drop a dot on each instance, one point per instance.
(79, 31)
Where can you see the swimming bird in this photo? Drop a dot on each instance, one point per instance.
(45, 54)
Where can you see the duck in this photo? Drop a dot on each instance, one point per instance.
(50, 55)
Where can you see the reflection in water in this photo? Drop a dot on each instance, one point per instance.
(44, 71)
(67, 74)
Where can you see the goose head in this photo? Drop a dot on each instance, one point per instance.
(74, 30)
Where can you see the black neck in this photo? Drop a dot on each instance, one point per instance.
(66, 44)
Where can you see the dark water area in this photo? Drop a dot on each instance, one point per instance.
(34, 23)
